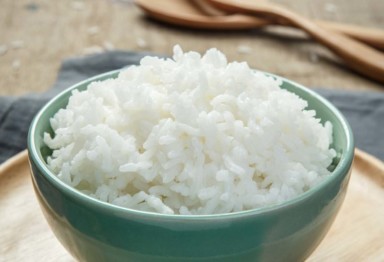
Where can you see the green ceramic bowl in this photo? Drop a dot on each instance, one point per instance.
(92, 230)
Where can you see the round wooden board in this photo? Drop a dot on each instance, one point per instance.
(356, 235)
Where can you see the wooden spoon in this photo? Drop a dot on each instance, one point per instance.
(198, 14)
(356, 55)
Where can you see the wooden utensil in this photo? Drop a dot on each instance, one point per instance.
(199, 14)
(357, 56)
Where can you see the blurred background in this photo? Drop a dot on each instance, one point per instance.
(35, 36)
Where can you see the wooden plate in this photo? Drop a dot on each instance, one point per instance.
(356, 235)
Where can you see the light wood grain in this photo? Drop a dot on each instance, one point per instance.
(54, 30)
(356, 235)
(25, 235)
(358, 232)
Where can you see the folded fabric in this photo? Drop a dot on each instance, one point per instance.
(363, 110)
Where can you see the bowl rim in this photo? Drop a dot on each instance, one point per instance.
(340, 171)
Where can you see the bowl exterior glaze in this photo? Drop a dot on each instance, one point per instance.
(95, 231)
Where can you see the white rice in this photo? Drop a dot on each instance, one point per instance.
(189, 135)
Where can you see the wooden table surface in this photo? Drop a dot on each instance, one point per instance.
(36, 35)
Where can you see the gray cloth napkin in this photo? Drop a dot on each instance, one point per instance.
(364, 110)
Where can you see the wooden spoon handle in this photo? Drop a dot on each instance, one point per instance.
(356, 55)
(370, 36)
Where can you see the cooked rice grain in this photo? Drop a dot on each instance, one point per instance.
(189, 135)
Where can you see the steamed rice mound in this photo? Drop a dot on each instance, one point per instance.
(189, 135)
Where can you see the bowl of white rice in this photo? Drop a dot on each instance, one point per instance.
(190, 158)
